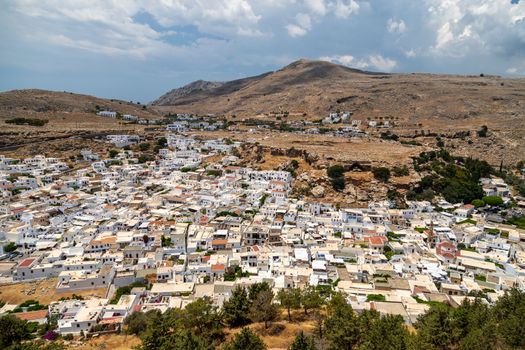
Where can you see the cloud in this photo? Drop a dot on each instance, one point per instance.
(479, 27)
(376, 62)
(316, 6)
(394, 26)
(302, 26)
(410, 53)
(345, 9)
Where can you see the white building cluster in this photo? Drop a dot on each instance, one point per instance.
(183, 229)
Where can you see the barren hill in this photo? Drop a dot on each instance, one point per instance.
(317, 87)
(68, 115)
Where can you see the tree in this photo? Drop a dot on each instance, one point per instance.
(202, 315)
(113, 153)
(338, 183)
(136, 323)
(302, 342)
(263, 309)
(493, 200)
(342, 331)
(145, 239)
(290, 299)
(483, 131)
(311, 299)
(12, 331)
(385, 332)
(335, 171)
(255, 289)
(144, 146)
(381, 173)
(165, 241)
(244, 340)
(236, 308)
(478, 203)
(162, 142)
(434, 328)
(10, 247)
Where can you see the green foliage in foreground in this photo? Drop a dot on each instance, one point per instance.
(27, 121)
(200, 325)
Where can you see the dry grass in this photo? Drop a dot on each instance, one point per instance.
(44, 292)
(108, 341)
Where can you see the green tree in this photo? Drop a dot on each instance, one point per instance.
(478, 203)
(244, 340)
(508, 313)
(386, 332)
(113, 153)
(263, 308)
(302, 342)
(144, 146)
(335, 171)
(338, 183)
(162, 142)
(10, 247)
(493, 200)
(311, 299)
(255, 289)
(290, 298)
(434, 329)
(136, 323)
(12, 330)
(381, 173)
(236, 308)
(342, 331)
(202, 316)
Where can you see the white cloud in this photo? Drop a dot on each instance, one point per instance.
(376, 62)
(394, 26)
(295, 30)
(382, 63)
(511, 70)
(111, 25)
(480, 27)
(410, 53)
(302, 25)
(344, 9)
(316, 6)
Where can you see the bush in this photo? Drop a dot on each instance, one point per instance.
(113, 153)
(478, 203)
(493, 200)
(335, 171)
(400, 171)
(144, 146)
(338, 183)
(27, 121)
(10, 247)
(381, 173)
(483, 131)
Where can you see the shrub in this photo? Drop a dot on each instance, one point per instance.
(381, 173)
(338, 183)
(493, 200)
(335, 171)
(478, 203)
(27, 121)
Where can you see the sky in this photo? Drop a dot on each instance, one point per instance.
(139, 49)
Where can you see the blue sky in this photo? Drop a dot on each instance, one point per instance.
(139, 49)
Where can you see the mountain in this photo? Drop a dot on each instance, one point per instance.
(263, 92)
(317, 88)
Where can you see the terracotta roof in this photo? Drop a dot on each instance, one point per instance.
(26, 262)
(217, 267)
(376, 240)
(32, 315)
(219, 242)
